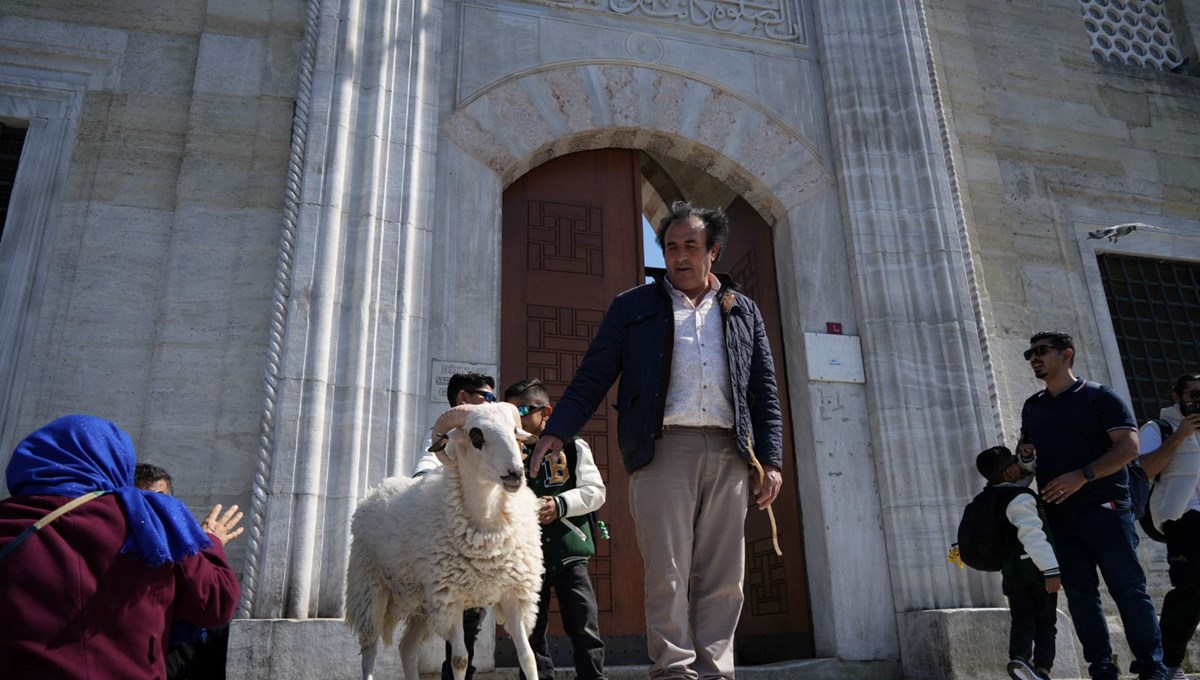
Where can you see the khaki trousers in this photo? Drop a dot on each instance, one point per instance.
(689, 510)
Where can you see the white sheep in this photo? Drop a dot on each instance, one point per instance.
(466, 535)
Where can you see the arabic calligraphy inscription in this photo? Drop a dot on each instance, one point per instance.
(771, 19)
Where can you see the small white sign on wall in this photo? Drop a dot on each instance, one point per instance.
(442, 371)
(834, 358)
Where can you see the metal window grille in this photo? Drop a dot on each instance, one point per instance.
(1132, 32)
(11, 141)
(1155, 309)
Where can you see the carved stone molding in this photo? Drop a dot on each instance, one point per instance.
(342, 393)
(931, 400)
(780, 20)
(594, 106)
(45, 72)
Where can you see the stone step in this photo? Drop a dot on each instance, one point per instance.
(804, 669)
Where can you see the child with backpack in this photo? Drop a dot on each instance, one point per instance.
(1023, 551)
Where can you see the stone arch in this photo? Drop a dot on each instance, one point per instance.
(500, 132)
(528, 119)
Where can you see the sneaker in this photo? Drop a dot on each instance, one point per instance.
(1042, 673)
(1019, 669)
(1175, 674)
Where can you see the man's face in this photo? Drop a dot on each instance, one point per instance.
(1191, 393)
(159, 486)
(475, 395)
(688, 259)
(1045, 360)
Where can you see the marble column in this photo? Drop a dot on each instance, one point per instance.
(929, 392)
(345, 370)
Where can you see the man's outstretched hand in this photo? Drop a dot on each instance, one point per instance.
(546, 444)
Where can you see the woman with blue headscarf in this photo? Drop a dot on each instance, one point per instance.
(91, 593)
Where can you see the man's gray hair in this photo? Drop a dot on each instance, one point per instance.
(716, 224)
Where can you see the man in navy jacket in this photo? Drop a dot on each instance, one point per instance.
(1084, 436)
(698, 411)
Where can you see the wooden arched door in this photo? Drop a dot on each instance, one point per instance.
(776, 623)
(571, 243)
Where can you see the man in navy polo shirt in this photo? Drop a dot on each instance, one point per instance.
(1084, 435)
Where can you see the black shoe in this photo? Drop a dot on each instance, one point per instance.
(1019, 669)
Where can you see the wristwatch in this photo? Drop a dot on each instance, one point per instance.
(1087, 472)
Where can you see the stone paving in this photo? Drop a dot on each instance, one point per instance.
(806, 669)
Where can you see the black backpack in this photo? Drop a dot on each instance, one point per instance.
(983, 532)
(1143, 513)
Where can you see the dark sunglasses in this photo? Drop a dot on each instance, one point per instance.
(1039, 351)
(487, 396)
(525, 409)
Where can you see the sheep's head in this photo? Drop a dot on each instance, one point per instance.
(484, 440)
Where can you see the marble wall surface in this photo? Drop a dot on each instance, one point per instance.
(144, 291)
(1050, 145)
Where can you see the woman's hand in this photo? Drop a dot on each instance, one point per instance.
(222, 526)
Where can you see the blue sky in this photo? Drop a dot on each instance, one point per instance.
(652, 252)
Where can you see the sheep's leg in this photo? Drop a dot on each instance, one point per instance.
(514, 621)
(410, 644)
(458, 647)
(368, 660)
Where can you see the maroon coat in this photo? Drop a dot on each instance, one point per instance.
(74, 607)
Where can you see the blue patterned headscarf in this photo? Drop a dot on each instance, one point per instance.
(79, 454)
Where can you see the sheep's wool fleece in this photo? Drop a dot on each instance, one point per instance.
(418, 537)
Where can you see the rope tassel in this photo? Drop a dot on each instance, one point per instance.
(762, 479)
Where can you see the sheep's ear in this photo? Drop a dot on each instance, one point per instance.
(526, 437)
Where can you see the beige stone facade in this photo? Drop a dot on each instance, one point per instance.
(241, 231)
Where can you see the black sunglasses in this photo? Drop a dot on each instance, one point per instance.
(1039, 351)
(525, 409)
(487, 396)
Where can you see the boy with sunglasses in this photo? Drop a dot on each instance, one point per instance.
(569, 490)
(1030, 571)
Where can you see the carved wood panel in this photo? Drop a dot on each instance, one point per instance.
(565, 238)
(776, 609)
(571, 244)
(555, 341)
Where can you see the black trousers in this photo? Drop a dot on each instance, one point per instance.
(1034, 617)
(1181, 607)
(581, 621)
(472, 620)
(199, 660)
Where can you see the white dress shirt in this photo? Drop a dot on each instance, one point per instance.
(700, 393)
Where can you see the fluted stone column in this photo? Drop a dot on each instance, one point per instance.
(345, 364)
(931, 401)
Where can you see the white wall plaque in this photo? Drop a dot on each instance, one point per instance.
(442, 371)
(834, 358)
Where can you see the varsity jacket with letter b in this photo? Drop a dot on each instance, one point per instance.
(573, 480)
